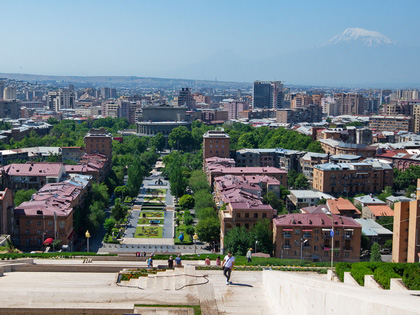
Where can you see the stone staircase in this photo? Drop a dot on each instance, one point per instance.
(172, 280)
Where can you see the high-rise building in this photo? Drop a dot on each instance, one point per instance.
(406, 232)
(350, 103)
(268, 94)
(185, 98)
(9, 93)
(61, 99)
(1, 89)
(416, 118)
(9, 109)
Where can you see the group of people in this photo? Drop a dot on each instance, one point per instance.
(227, 263)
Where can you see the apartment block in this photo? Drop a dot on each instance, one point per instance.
(309, 237)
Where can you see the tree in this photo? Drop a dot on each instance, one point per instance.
(276, 203)
(188, 219)
(291, 177)
(386, 222)
(158, 141)
(264, 235)
(375, 254)
(203, 199)
(301, 182)
(118, 211)
(385, 193)
(388, 244)
(109, 225)
(186, 202)
(22, 196)
(180, 138)
(190, 230)
(206, 213)
(239, 240)
(208, 229)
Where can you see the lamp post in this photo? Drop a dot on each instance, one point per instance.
(87, 234)
(195, 237)
(302, 241)
(256, 243)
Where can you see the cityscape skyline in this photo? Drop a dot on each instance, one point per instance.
(226, 41)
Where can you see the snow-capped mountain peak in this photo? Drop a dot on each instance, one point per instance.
(368, 38)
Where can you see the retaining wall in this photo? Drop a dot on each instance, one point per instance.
(292, 293)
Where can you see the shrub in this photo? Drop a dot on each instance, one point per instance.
(383, 275)
(411, 277)
(358, 271)
(341, 268)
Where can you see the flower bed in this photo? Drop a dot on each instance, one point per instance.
(148, 232)
(137, 273)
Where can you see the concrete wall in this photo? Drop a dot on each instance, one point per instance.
(291, 293)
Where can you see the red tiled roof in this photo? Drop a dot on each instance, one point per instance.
(34, 169)
(313, 220)
(381, 210)
(341, 204)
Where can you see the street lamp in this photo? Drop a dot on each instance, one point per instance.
(87, 234)
(256, 243)
(195, 237)
(302, 241)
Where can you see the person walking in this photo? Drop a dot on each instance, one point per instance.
(227, 265)
(150, 262)
(249, 255)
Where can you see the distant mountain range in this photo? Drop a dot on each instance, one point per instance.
(356, 57)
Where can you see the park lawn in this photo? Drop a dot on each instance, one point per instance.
(187, 238)
(159, 204)
(146, 220)
(152, 214)
(149, 232)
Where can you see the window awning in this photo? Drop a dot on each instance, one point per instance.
(287, 230)
(326, 230)
(308, 230)
(349, 230)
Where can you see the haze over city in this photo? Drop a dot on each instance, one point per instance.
(354, 43)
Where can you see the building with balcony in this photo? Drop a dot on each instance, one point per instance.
(309, 237)
(99, 141)
(371, 176)
(334, 147)
(390, 123)
(304, 198)
(216, 143)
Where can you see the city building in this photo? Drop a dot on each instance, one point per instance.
(375, 232)
(298, 199)
(9, 93)
(72, 153)
(268, 95)
(185, 99)
(352, 178)
(390, 123)
(343, 207)
(6, 211)
(32, 175)
(309, 237)
(309, 160)
(9, 109)
(234, 107)
(405, 240)
(334, 147)
(368, 200)
(216, 143)
(349, 103)
(376, 212)
(99, 141)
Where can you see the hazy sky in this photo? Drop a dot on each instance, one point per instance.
(157, 38)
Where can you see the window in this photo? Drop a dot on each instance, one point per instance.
(346, 254)
(238, 215)
(247, 225)
(62, 224)
(38, 232)
(297, 231)
(264, 215)
(50, 223)
(27, 232)
(246, 215)
(256, 215)
(315, 247)
(336, 254)
(316, 231)
(38, 222)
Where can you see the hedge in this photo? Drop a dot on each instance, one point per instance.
(383, 275)
(341, 268)
(411, 276)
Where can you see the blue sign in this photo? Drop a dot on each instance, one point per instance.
(332, 232)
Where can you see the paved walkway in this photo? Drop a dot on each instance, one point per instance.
(168, 225)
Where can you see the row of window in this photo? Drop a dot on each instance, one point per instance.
(246, 215)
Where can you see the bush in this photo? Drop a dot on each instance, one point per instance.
(411, 277)
(341, 268)
(383, 275)
(358, 271)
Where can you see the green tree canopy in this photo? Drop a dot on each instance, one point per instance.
(180, 138)
(238, 240)
(22, 196)
(208, 229)
(186, 202)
